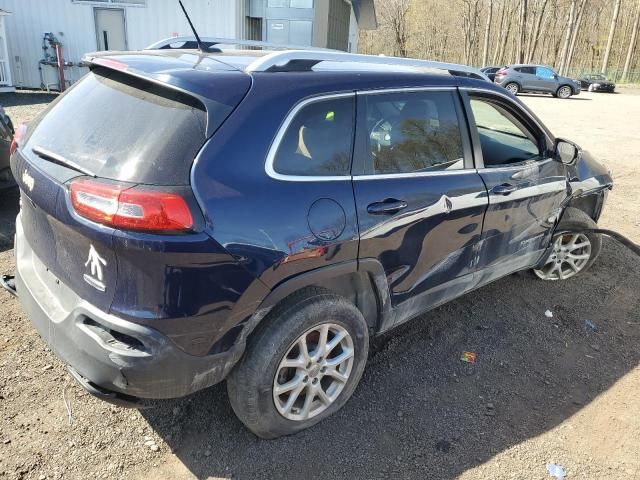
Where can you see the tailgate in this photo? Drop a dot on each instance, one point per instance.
(71, 250)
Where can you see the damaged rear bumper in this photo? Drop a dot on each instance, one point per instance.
(116, 360)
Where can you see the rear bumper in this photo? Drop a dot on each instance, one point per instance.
(117, 360)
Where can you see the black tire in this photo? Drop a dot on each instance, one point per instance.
(250, 384)
(574, 220)
(513, 87)
(563, 88)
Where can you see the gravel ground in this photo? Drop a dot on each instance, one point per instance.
(543, 390)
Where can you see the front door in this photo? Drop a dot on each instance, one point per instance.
(526, 186)
(420, 202)
(546, 80)
(110, 29)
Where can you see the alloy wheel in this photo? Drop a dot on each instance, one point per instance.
(570, 255)
(564, 92)
(313, 372)
(513, 88)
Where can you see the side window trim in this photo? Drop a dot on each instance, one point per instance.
(362, 146)
(504, 101)
(282, 130)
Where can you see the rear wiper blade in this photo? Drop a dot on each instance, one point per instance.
(59, 160)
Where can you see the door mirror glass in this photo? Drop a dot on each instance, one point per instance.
(566, 151)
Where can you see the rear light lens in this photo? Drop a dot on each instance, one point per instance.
(18, 137)
(130, 208)
(501, 72)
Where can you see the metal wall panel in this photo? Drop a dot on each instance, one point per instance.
(74, 25)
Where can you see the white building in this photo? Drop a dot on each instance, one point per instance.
(80, 26)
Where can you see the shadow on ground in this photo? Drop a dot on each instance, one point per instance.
(9, 206)
(26, 97)
(419, 411)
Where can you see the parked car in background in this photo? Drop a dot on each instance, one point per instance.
(257, 217)
(6, 137)
(536, 79)
(597, 82)
(490, 72)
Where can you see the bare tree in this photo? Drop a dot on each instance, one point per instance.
(394, 17)
(612, 33)
(487, 33)
(632, 44)
(523, 30)
(535, 32)
(576, 32)
(568, 33)
(470, 24)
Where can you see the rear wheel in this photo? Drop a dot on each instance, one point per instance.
(513, 87)
(564, 92)
(572, 252)
(301, 366)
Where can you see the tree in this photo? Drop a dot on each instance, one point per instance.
(632, 44)
(394, 17)
(487, 33)
(576, 32)
(612, 32)
(522, 31)
(470, 23)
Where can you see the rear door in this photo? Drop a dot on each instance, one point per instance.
(419, 200)
(526, 186)
(527, 78)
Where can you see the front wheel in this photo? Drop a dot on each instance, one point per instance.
(564, 92)
(572, 252)
(301, 366)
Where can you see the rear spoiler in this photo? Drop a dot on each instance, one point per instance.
(177, 84)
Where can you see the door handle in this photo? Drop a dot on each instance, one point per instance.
(386, 207)
(504, 189)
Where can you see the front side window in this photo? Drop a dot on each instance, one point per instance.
(413, 132)
(318, 141)
(544, 72)
(505, 140)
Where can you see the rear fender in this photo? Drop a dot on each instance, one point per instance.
(363, 283)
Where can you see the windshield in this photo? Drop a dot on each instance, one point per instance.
(597, 77)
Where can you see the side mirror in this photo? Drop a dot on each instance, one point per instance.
(565, 151)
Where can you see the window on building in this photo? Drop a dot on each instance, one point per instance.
(318, 141)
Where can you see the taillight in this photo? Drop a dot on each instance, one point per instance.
(130, 208)
(18, 136)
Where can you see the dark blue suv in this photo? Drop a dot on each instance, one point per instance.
(257, 216)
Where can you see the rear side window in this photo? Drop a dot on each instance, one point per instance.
(413, 132)
(529, 70)
(318, 141)
(124, 129)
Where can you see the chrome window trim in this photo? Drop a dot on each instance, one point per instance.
(517, 166)
(436, 173)
(275, 144)
(383, 91)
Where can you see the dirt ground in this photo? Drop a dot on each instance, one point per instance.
(543, 390)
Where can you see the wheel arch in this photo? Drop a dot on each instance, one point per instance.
(590, 204)
(363, 283)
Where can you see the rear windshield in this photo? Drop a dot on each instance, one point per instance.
(115, 126)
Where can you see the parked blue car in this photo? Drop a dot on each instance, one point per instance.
(258, 216)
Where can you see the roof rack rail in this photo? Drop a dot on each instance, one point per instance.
(304, 60)
(213, 41)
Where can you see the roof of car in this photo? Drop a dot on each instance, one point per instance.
(191, 70)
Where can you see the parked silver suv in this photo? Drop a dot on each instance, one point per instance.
(536, 78)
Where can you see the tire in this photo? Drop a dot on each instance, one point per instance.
(573, 220)
(564, 92)
(513, 87)
(251, 384)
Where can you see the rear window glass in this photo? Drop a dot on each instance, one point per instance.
(125, 129)
(318, 141)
